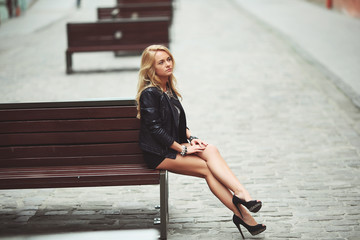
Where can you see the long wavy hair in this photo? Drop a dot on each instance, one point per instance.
(147, 75)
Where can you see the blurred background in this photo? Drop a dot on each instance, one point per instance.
(275, 84)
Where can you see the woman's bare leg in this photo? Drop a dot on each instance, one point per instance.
(193, 165)
(222, 172)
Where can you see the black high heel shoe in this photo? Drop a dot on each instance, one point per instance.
(253, 205)
(253, 230)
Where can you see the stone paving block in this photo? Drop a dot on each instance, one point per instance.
(354, 236)
(285, 235)
(23, 219)
(83, 212)
(56, 213)
(338, 229)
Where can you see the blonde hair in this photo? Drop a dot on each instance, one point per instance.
(147, 75)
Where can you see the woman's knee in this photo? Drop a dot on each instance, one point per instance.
(211, 153)
(211, 148)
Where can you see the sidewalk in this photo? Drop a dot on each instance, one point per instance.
(328, 39)
(41, 15)
(288, 133)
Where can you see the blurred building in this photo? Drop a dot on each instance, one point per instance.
(13, 8)
(350, 7)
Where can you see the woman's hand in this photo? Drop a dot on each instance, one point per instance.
(198, 142)
(195, 148)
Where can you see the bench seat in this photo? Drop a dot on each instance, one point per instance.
(77, 176)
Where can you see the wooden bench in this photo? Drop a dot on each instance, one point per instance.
(142, 1)
(131, 36)
(134, 11)
(75, 144)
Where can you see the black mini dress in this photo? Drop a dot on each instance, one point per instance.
(152, 160)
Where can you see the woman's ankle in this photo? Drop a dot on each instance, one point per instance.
(243, 195)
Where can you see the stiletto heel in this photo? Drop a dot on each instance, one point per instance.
(238, 226)
(253, 205)
(253, 230)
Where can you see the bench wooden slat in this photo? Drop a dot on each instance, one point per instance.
(135, 49)
(68, 125)
(77, 161)
(137, 10)
(70, 150)
(101, 175)
(100, 103)
(89, 182)
(74, 171)
(66, 113)
(23, 139)
(142, 1)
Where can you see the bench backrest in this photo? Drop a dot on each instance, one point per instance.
(136, 11)
(118, 35)
(69, 133)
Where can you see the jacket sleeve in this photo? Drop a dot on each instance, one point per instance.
(150, 116)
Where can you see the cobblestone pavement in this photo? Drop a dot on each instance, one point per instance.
(287, 132)
(326, 38)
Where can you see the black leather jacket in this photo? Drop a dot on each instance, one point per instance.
(159, 126)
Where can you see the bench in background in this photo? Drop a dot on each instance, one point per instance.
(134, 11)
(142, 1)
(75, 144)
(131, 36)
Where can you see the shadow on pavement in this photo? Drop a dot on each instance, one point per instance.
(65, 220)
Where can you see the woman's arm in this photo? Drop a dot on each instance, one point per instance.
(150, 115)
(194, 140)
(176, 146)
(190, 149)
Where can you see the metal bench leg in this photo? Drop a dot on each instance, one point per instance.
(69, 62)
(164, 209)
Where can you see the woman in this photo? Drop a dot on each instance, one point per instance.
(167, 143)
